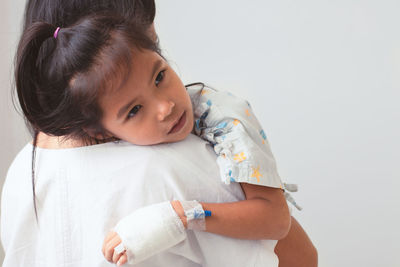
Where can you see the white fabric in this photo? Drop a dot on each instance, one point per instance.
(150, 230)
(83, 192)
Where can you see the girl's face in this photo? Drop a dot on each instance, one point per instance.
(152, 105)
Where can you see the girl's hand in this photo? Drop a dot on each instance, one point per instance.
(110, 242)
(145, 232)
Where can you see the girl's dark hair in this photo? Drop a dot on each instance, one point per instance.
(65, 13)
(61, 13)
(58, 80)
(58, 90)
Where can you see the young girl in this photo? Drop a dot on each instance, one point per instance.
(243, 156)
(92, 87)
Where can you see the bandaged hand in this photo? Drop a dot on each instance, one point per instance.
(144, 233)
(152, 229)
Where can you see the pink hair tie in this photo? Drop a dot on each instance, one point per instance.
(56, 33)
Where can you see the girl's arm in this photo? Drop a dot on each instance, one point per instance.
(263, 215)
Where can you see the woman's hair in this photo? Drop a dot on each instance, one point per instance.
(58, 80)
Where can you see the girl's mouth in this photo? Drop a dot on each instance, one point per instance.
(179, 124)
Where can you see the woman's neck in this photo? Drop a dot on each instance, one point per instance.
(54, 142)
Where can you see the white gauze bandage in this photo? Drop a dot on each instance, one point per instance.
(195, 215)
(150, 230)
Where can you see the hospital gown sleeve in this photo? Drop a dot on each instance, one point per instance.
(243, 152)
(228, 123)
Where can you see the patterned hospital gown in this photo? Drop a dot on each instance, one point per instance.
(243, 152)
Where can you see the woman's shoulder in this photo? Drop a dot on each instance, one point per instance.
(16, 183)
(23, 157)
(110, 160)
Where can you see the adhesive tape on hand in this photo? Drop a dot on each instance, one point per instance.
(195, 215)
(119, 249)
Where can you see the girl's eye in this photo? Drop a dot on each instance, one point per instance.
(160, 77)
(134, 111)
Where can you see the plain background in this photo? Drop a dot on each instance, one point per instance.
(323, 78)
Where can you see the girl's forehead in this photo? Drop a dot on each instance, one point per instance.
(139, 76)
(135, 72)
(141, 58)
(143, 67)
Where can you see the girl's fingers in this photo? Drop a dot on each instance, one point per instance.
(109, 249)
(108, 237)
(116, 256)
(123, 259)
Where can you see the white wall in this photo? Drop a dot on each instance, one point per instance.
(13, 134)
(323, 78)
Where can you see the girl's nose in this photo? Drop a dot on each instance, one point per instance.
(165, 109)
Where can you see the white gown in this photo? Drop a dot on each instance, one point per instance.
(81, 194)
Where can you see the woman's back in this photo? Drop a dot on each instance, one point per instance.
(82, 193)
